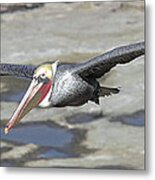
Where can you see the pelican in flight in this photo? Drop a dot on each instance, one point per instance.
(58, 84)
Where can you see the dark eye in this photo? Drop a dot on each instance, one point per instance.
(43, 76)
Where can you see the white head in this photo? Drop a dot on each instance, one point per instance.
(38, 92)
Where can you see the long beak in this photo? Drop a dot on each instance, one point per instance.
(34, 95)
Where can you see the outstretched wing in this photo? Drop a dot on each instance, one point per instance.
(98, 66)
(27, 71)
(95, 67)
(24, 71)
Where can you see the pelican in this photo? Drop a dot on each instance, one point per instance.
(55, 84)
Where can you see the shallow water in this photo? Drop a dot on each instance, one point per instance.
(15, 89)
(52, 140)
(86, 31)
(135, 119)
(52, 153)
(84, 118)
(40, 134)
(14, 97)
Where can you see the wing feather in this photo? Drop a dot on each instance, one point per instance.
(98, 66)
(23, 71)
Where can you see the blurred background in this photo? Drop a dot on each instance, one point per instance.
(108, 136)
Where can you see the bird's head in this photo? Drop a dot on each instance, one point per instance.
(38, 93)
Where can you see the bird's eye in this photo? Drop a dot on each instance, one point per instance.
(43, 76)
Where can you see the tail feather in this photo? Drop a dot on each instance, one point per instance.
(106, 91)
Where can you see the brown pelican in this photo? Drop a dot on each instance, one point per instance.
(58, 85)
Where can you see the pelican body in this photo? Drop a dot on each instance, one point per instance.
(55, 84)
